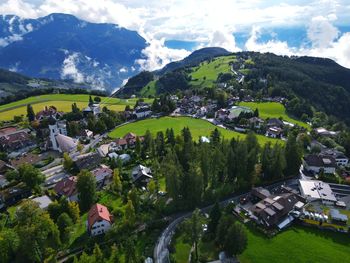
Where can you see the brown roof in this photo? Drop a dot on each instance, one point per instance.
(28, 158)
(7, 130)
(130, 136)
(15, 140)
(67, 187)
(98, 212)
(121, 142)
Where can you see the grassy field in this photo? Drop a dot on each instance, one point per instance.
(149, 89)
(198, 128)
(63, 102)
(297, 244)
(210, 70)
(273, 110)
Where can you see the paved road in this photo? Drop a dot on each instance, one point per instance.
(161, 253)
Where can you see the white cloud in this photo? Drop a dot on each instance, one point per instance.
(70, 70)
(123, 70)
(157, 55)
(224, 40)
(8, 40)
(274, 46)
(205, 21)
(321, 32)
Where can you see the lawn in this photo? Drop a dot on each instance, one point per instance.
(149, 89)
(297, 244)
(273, 110)
(63, 102)
(198, 128)
(210, 71)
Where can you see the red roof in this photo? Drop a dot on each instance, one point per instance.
(67, 187)
(98, 212)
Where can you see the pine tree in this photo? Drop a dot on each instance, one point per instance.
(293, 155)
(130, 215)
(91, 102)
(215, 137)
(30, 113)
(86, 186)
(214, 218)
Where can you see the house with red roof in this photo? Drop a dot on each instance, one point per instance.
(99, 220)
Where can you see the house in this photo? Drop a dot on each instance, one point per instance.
(142, 111)
(273, 211)
(28, 158)
(99, 220)
(86, 134)
(255, 122)
(274, 122)
(123, 157)
(338, 218)
(131, 138)
(68, 188)
(273, 132)
(103, 175)
(141, 174)
(49, 112)
(340, 158)
(3, 181)
(88, 161)
(222, 114)
(93, 109)
(324, 132)
(315, 163)
(121, 143)
(19, 140)
(314, 190)
(43, 201)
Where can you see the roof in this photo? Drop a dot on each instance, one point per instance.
(98, 212)
(65, 143)
(320, 160)
(102, 171)
(88, 160)
(129, 136)
(16, 139)
(121, 141)
(29, 158)
(260, 192)
(141, 171)
(7, 130)
(43, 201)
(67, 186)
(317, 190)
(275, 122)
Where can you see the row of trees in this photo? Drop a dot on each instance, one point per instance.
(195, 171)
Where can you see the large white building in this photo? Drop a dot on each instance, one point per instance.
(99, 220)
(314, 190)
(315, 163)
(59, 139)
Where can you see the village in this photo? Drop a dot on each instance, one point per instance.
(307, 199)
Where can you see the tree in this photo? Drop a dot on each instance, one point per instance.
(170, 136)
(193, 228)
(236, 239)
(215, 137)
(221, 232)
(67, 162)
(91, 102)
(100, 127)
(152, 187)
(170, 168)
(28, 174)
(9, 243)
(64, 222)
(97, 99)
(117, 184)
(256, 112)
(130, 252)
(86, 186)
(214, 218)
(30, 113)
(80, 147)
(138, 146)
(293, 155)
(97, 254)
(73, 211)
(37, 232)
(130, 215)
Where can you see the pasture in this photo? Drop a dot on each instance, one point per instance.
(198, 128)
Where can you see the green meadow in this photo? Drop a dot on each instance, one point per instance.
(273, 110)
(198, 128)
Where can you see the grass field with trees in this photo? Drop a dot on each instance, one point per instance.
(273, 110)
(63, 102)
(198, 128)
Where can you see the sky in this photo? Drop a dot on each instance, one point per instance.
(174, 28)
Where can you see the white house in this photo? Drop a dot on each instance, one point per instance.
(315, 163)
(142, 111)
(314, 190)
(56, 128)
(99, 220)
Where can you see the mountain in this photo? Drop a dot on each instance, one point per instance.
(308, 83)
(195, 58)
(15, 86)
(172, 70)
(61, 46)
